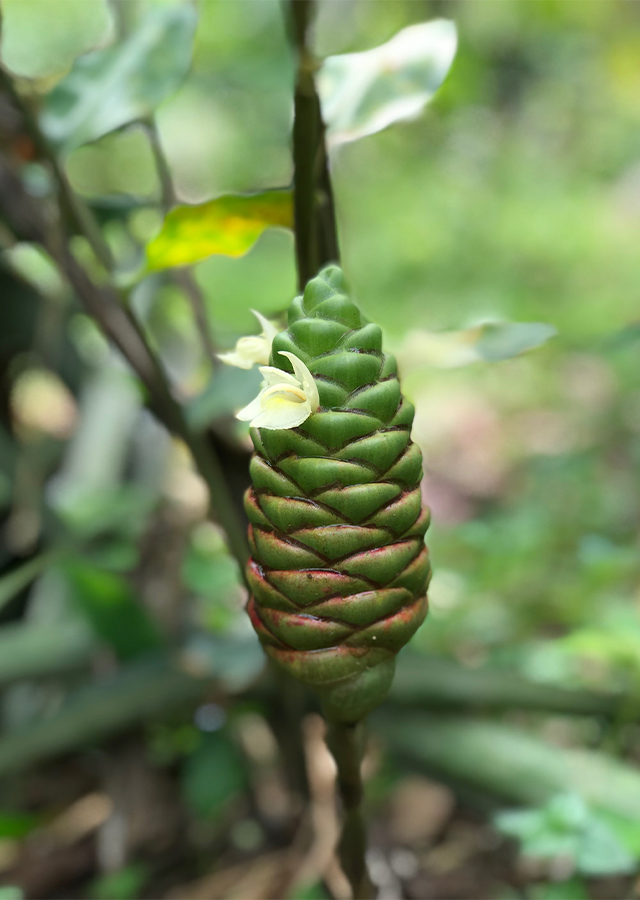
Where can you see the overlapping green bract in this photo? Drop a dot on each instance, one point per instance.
(339, 569)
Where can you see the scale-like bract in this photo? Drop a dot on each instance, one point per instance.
(339, 569)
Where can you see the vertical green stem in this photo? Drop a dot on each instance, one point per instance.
(314, 215)
(346, 744)
(316, 245)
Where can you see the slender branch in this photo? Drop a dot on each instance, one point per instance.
(345, 743)
(167, 191)
(314, 214)
(76, 212)
(25, 216)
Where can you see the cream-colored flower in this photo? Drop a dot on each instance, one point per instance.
(254, 349)
(285, 401)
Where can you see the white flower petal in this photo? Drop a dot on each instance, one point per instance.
(251, 410)
(285, 415)
(255, 348)
(305, 378)
(269, 330)
(234, 358)
(273, 376)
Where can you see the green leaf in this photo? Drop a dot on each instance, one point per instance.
(110, 605)
(212, 776)
(113, 87)
(229, 225)
(11, 892)
(362, 93)
(229, 390)
(125, 884)
(573, 889)
(489, 342)
(568, 827)
(41, 38)
(145, 689)
(17, 825)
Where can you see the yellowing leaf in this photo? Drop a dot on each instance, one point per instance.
(229, 225)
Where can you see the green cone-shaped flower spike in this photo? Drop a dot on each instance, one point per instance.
(339, 568)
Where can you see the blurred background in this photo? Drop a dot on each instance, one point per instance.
(144, 750)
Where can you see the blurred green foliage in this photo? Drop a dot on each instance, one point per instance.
(515, 198)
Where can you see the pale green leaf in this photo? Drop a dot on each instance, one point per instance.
(41, 38)
(229, 225)
(489, 342)
(362, 93)
(110, 88)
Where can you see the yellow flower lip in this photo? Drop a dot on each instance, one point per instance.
(283, 389)
(285, 400)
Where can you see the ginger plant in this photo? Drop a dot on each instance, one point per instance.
(339, 569)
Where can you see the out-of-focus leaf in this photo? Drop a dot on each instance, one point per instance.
(572, 889)
(11, 892)
(35, 266)
(213, 776)
(235, 659)
(17, 825)
(229, 390)
(138, 691)
(489, 342)
(18, 579)
(112, 87)
(566, 826)
(30, 650)
(229, 225)
(362, 93)
(41, 38)
(124, 510)
(125, 884)
(110, 605)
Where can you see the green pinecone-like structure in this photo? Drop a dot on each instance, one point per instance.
(339, 569)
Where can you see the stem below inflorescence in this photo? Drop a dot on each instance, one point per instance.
(346, 744)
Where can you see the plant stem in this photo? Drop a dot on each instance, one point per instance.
(316, 245)
(345, 743)
(314, 214)
(26, 218)
(77, 213)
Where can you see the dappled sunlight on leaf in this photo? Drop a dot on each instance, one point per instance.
(363, 93)
(40, 39)
(112, 87)
(229, 225)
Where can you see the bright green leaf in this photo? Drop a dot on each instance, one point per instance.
(113, 87)
(41, 38)
(362, 93)
(229, 225)
(489, 342)
(17, 825)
